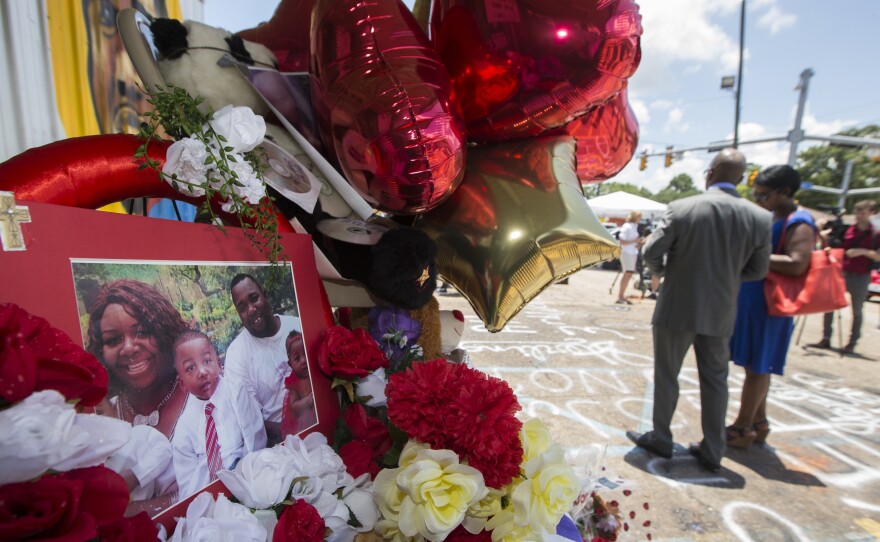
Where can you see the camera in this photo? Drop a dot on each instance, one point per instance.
(837, 227)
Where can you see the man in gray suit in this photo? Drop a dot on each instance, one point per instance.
(711, 242)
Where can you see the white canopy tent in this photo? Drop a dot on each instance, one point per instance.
(620, 204)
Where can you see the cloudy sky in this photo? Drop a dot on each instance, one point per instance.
(688, 45)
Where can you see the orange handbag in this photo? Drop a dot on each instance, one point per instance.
(820, 289)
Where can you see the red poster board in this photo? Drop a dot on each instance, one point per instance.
(40, 278)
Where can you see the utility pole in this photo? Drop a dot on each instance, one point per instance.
(796, 135)
(739, 78)
(847, 178)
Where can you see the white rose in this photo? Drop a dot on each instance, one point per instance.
(44, 432)
(186, 159)
(262, 479)
(336, 516)
(363, 507)
(242, 129)
(223, 521)
(320, 461)
(373, 385)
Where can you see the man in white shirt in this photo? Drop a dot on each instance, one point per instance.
(257, 358)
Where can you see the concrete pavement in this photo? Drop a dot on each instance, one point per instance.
(584, 365)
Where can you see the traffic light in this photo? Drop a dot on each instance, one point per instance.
(753, 175)
(643, 161)
(667, 160)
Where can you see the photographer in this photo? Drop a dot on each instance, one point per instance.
(860, 242)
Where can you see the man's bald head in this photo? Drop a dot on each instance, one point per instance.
(728, 166)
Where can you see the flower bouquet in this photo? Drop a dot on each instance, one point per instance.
(448, 457)
(215, 154)
(52, 481)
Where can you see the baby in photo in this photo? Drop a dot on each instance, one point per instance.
(219, 425)
(300, 400)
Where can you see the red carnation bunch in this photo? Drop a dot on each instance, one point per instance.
(349, 355)
(451, 406)
(34, 356)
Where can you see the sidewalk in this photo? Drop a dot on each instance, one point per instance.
(584, 365)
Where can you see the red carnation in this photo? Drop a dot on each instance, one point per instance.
(455, 407)
(34, 356)
(301, 522)
(349, 354)
(358, 458)
(498, 470)
(418, 400)
(70, 506)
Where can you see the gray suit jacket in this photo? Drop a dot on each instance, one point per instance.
(712, 243)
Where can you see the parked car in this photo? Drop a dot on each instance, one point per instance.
(874, 287)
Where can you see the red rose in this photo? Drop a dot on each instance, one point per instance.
(301, 522)
(138, 528)
(367, 428)
(70, 506)
(358, 458)
(35, 356)
(349, 355)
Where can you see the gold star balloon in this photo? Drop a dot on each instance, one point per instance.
(518, 223)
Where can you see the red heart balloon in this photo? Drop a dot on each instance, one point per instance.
(383, 101)
(606, 139)
(521, 67)
(286, 34)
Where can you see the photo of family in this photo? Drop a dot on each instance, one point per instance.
(206, 360)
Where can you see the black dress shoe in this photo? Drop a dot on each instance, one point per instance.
(641, 440)
(694, 450)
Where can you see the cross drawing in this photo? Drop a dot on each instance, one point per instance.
(11, 218)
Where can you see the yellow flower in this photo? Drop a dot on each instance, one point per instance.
(438, 491)
(389, 530)
(548, 491)
(478, 514)
(535, 439)
(505, 529)
(410, 450)
(386, 493)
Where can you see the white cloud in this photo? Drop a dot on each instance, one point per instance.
(682, 37)
(675, 121)
(662, 105)
(775, 20)
(813, 126)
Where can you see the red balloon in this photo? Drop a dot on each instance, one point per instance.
(521, 67)
(606, 137)
(382, 98)
(286, 34)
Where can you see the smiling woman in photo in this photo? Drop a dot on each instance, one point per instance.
(132, 328)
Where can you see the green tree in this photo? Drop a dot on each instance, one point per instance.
(824, 165)
(681, 186)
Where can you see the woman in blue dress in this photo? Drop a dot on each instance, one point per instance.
(760, 341)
